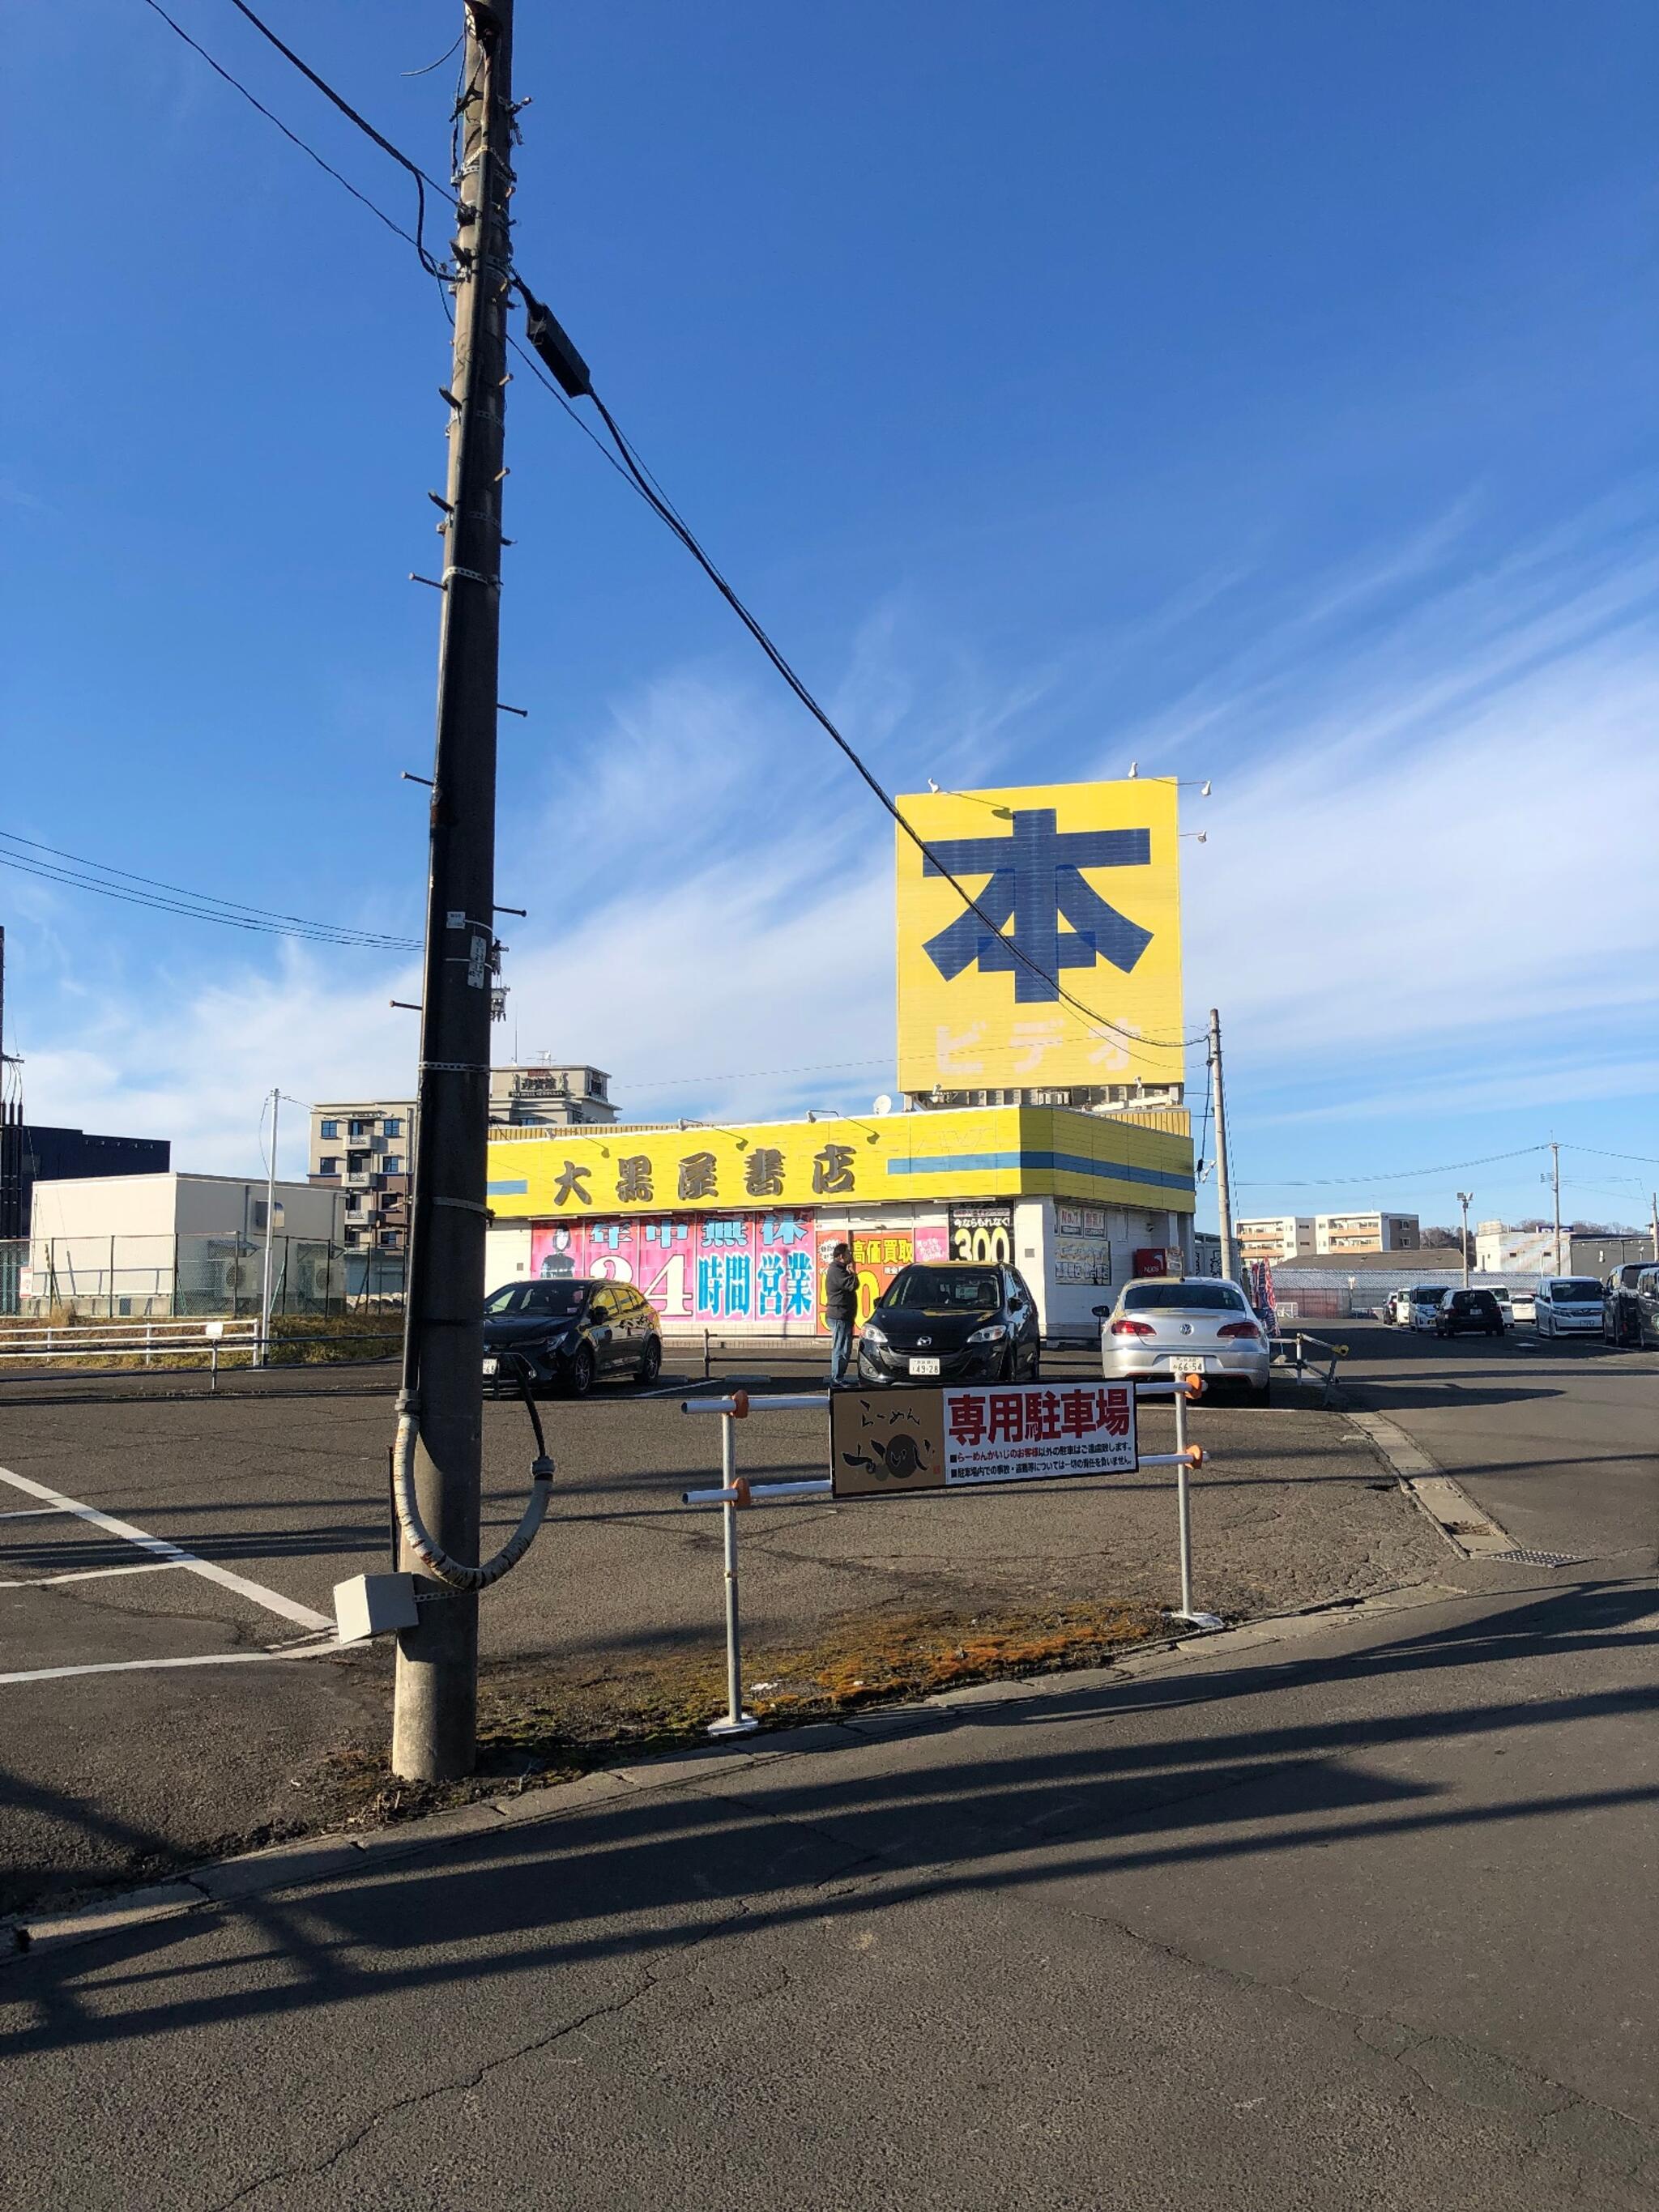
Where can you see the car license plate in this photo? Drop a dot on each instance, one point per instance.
(924, 1367)
(490, 1367)
(1189, 1362)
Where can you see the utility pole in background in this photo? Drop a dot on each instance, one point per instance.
(436, 1708)
(1555, 1159)
(1223, 1191)
(1463, 1198)
(1653, 1211)
(264, 1359)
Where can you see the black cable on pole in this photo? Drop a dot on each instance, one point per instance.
(646, 485)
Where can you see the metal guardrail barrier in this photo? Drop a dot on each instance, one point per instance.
(735, 1493)
(140, 1344)
(1292, 1351)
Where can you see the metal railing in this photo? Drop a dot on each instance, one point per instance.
(735, 1492)
(1294, 1352)
(60, 1352)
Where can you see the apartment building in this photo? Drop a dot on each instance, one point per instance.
(1367, 1232)
(367, 1146)
(1274, 1237)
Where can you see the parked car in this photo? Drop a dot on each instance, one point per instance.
(1424, 1304)
(1621, 1312)
(1468, 1313)
(1646, 1298)
(1505, 1306)
(952, 1321)
(1398, 1310)
(565, 1334)
(1524, 1305)
(1185, 1325)
(1568, 1306)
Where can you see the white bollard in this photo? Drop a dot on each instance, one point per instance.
(737, 1721)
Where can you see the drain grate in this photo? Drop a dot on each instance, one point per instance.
(1524, 1556)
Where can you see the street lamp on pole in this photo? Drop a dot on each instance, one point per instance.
(1463, 1198)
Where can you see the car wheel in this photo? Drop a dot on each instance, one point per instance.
(1008, 1371)
(580, 1381)
(1033, 1373)
(651, 1362)
(1261, 1394)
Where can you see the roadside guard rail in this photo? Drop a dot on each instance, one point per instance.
(1299, 1351)
(715, 1350)
(735, 1493)
(171, 1346)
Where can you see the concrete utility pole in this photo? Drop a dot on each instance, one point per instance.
(1463, 1198)
(1555, 1157)
(1223, 1191)
(1653, 1209)
(436, 1708)
(270, 1238)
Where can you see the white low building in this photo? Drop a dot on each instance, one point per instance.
(136, 1246)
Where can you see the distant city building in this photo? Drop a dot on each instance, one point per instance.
(54, 1155)
(1366, 1232)
(1502, 1251)
(1274, 1237)
(366, 1146)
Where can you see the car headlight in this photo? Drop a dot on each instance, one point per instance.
(873, 1334)
(993, 1335)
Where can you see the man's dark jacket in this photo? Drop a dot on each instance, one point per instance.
(841, 1291)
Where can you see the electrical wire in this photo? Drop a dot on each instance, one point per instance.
(294, 138)
(1642, 1159)
(422, 180)
(1390, 1175)
(438, 63)
(665, 509)
(640, 475)
(197, 906)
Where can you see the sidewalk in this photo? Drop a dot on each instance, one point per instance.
(1221, 1924)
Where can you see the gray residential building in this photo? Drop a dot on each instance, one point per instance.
(366, 1145)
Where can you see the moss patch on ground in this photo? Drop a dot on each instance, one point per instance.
(538, 1724)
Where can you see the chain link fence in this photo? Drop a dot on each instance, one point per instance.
(155, 1277)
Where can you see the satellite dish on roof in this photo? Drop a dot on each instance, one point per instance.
(882, 1105)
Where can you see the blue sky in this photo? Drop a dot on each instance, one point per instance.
(1264, 395)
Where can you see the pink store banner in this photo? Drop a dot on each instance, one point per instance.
(747, 1270)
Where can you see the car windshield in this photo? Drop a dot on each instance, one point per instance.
(1429, 1294)
(559, 1300)
(1185, 1298)
(1576, 1293)
(944, 1286)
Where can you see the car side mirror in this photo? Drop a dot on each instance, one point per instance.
(1100, 1313)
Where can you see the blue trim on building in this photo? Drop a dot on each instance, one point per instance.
(520, 1190)
(1060, 1163)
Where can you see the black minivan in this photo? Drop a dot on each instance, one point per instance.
(1469, 1313)
(952, 1321)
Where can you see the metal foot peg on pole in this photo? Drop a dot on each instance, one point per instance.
(1187, 1457)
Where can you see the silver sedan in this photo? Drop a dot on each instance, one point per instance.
(1187, 1325)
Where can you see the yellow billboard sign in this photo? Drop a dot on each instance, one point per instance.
(1077, 892)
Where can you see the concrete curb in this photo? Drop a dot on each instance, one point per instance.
(311, 1859)
(1467, 1527)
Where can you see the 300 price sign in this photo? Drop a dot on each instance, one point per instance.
(983, 1233)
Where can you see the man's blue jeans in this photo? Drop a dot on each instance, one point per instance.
(841, 1346)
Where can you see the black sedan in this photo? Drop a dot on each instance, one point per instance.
(1468, 1313)
(952, 1321)
(566, 1335)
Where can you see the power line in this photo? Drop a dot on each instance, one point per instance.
(1388, 1175)
(197, 906)
(294, 139)
(664, 508)
(1642, 1159)
(654, 497)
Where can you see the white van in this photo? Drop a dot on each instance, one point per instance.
(1568, 1306)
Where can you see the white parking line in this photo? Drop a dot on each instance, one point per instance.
(93, 1574)
(174, 1555)
(145, 1666)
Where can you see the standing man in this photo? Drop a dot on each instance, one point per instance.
(840, 1306)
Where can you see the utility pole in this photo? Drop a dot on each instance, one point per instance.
(435, 1716)
(1555, 1157)
(270, 1238)
(1463, 1198)
(1653, 1210)
(1223, 1192)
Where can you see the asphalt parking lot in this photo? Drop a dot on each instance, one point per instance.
(167, 1565)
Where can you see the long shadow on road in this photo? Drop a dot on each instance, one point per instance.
(657, 1876)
